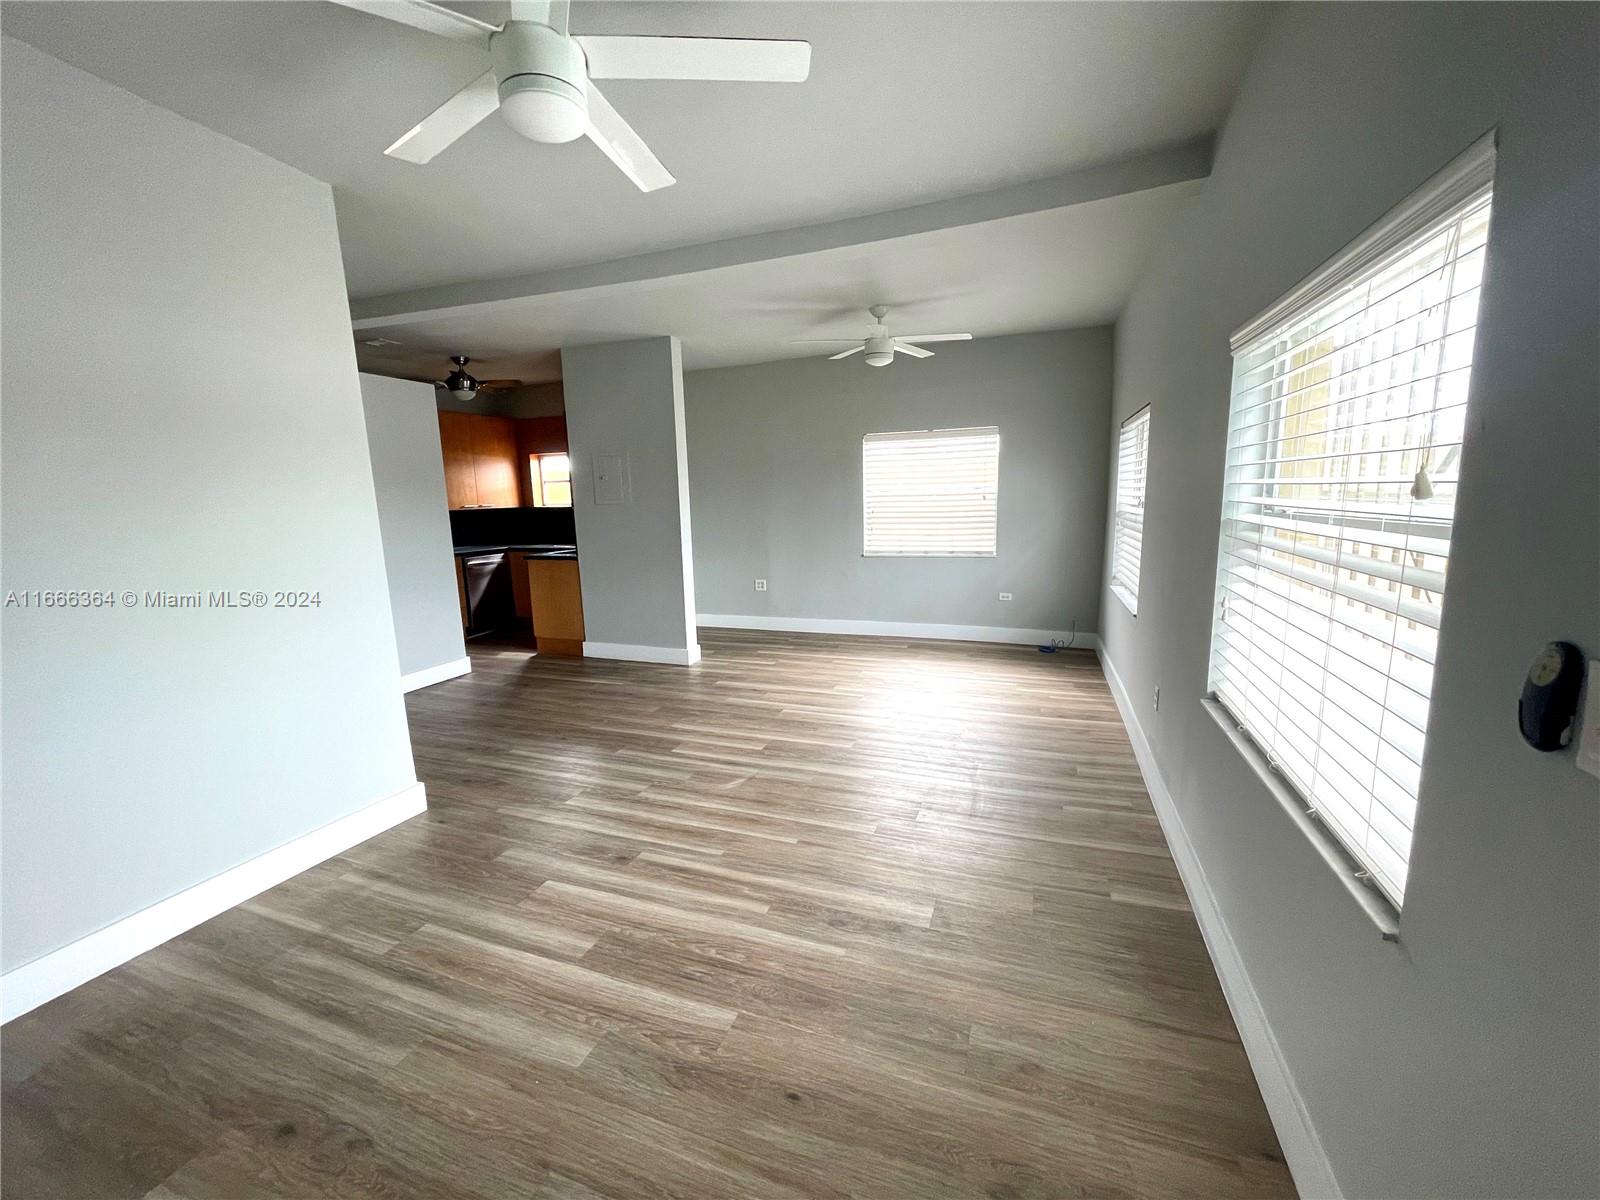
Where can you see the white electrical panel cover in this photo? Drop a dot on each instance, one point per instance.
(610, 478)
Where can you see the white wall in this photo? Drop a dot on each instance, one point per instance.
(413, 514)
(181, 413)
(1464, 1061)
(775, 472)
(626, 399)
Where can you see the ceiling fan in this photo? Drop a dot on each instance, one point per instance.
(464, 387)
(542, 77)
(880, 345)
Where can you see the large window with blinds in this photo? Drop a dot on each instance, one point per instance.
(1127, 521)
(1348, 409)
(930, 493)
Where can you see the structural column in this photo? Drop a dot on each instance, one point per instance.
(630, 499)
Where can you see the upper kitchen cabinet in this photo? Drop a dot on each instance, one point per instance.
(494, 459)
(460, 474)
(480, 460)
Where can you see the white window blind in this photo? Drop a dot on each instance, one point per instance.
(1127, 534)
(930, 493)
(1344, 441)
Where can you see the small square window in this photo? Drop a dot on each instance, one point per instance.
(552, 480)
(932, 493)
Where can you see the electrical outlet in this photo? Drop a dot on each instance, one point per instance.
(1158, 697)
(761, 585)
(1005, 595)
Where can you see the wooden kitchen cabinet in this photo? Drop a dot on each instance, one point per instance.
(495, 462)
(522, 599)
(480, 460)
(557, 598)
(455, 444)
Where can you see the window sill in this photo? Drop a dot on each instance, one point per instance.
(1374, 903)
(1129, 600)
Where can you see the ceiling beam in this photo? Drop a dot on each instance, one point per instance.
(1178, 164)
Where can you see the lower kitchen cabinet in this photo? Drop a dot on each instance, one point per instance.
(522, 600)
(556, 597)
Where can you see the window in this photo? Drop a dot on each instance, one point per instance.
(1127, 532)
(930, 493)
(552, 480)
(1344, 441)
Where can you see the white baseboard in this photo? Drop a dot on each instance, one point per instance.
(26, 987)
(900, 629)
(1302, 1148)
(646, 654)
(432, 675)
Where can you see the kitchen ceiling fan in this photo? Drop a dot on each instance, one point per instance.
(542, 78)
(464, 387)
(881, 346)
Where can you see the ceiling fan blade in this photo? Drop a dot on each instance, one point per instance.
(741, 60)
(820, 341)
(847, 353)
(933, 337)
(914, 351)
(449, 121)
(623, 146)
(428, 17)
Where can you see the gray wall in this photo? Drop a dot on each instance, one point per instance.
(181, 412)
(413, 514)
(638, 580)
(775, 472)
(1465, 1060)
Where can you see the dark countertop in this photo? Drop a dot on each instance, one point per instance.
(531, 549)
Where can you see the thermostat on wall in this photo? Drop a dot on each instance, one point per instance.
(1550, 696)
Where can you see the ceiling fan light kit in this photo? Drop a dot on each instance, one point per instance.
(458, 383)
(544, 86)
(541, 78)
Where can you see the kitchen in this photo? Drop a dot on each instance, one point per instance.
(508, 485)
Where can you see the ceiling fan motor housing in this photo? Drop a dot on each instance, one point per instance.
(543, 82)
(880, 351)
(458, 383)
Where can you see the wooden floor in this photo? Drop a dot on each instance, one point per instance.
(820, 917)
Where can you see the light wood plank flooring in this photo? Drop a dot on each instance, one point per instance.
(820, 917)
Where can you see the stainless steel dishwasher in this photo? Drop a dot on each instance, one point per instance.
(491, 604)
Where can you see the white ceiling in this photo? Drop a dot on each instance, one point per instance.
(1056, 269)
(907, 102)
(984, 167)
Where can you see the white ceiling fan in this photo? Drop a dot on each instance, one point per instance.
(881, 346)
(542, 77)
